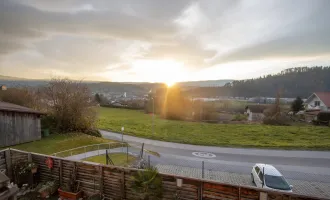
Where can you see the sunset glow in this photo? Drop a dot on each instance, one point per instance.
(164, 71)
(170, 84)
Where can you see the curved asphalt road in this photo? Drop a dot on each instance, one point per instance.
(299, 165)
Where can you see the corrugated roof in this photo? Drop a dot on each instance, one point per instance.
(4, 106)
(325, 97)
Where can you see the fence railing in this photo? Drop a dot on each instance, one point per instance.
(89, 148)
(115, 182)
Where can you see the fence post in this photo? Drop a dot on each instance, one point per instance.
(200, 191)
(148, 160)
(239, 193)
(85, 151)
(29, 157)
(8, 164)
(106, 156)
(60, 171)
(101, 180)
(123, 193)
(30, 174)
(202, 169)
(127, 154)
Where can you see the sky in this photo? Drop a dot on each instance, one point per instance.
(161, 41)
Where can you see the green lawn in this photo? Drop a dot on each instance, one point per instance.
(138, 124)
(119, 159)
(60, 142)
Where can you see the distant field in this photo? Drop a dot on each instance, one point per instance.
(138, 124)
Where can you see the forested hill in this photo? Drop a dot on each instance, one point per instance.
(293, 82)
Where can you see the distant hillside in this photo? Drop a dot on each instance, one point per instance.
(116, 87)
(292, 82)
(10, 78)
(208, 83)
(22, 83)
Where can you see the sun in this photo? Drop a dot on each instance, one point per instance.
(170, 83)
(160, 71)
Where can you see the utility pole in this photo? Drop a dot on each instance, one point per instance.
(122, 138)
(153, 114)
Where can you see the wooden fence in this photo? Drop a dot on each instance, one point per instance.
(115, 182)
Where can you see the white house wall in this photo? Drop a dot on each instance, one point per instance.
(311, 103)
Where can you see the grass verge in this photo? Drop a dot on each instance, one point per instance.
(138, 124)
(60, 142)
(119, 159)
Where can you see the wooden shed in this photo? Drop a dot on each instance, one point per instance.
(18, 124)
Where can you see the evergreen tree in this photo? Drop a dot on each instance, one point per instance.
(297, 105)
(97, 98)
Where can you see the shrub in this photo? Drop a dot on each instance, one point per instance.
(280, 121)
(147, 184)
(240, 117)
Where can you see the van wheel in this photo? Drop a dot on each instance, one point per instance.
(252, 178)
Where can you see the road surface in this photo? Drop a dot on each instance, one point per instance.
(297, 165)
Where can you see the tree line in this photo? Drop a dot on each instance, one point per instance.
(293, 82)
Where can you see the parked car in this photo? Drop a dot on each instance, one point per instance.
(268, 177)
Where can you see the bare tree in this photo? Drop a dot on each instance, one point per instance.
(70, 104)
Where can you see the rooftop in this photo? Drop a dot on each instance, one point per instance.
(4, 106)
(325, 97)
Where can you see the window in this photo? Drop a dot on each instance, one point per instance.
(257, 169)
(276, 182)
(317, 103)
(261, 176)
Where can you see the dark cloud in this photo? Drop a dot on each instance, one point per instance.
(313, 44)
(296, 32)
(161, 10)
(29, 21)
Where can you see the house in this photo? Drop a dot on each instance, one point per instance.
(318, 101)
(3, 87)
(255, 112)
(18, 124)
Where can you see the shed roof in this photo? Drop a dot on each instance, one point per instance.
(4, 106)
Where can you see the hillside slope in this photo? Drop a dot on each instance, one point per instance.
(292, 82)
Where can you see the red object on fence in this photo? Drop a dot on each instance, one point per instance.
(49, 162)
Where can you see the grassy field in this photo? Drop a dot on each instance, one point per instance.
(138, 124)
(119, 159)
(60, 142)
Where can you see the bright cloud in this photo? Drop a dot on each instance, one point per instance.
(161, 41)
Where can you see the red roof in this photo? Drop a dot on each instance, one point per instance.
(325, 97)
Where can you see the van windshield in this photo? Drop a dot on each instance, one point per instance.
(276, 182)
